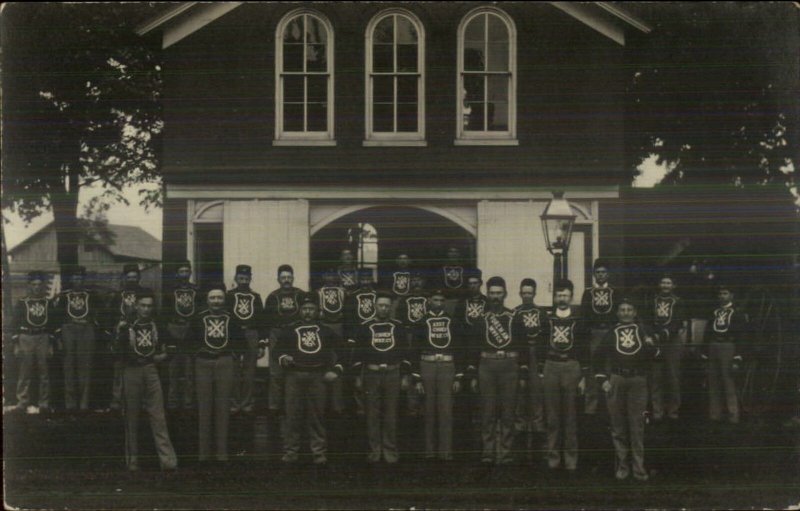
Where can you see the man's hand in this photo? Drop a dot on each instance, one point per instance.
(606, 386)
(404, 383)
(16, 350)
(261, 351)
(473, 385)
(456, 386)
(160, 357)
(420, 388)
(649, 341)
(286, 360)
(523, 384)
(330, 376)
(358, 383)
(582, 385)
(50, 351)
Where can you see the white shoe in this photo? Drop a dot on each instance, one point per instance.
(32, 410)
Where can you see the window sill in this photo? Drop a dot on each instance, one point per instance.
(395, 143)
(303, 143)
(486, 141)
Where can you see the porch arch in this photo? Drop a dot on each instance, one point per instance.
(471, 228)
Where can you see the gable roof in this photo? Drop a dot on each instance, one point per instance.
(179, 20)
(126, 242)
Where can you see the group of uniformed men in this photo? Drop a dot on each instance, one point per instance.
(430, 341)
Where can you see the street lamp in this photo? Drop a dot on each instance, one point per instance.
(557, 222)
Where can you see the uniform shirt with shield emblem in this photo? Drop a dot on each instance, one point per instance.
(566, 338)
(312, 346)
(411, 309)
(217, 333)
(397, 282)
(452, 279)
(282, 307)
(136, 343)
(248, 309)
(359, 307)
(497, 331)
(599, 306)
(381, 342)
(667, 316)
(438, 334)
(78, 306)
(727, 324)
(331, 304)
(122, 306)
(470, 310)
(625, 347)
(34, 314)
(181, 303)
(531, 320)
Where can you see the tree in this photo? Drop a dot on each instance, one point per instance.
(80, 106)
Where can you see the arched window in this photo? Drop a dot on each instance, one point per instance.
(304, 79)
(395, 79)
(486, 78)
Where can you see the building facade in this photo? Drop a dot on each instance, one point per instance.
(290, 128)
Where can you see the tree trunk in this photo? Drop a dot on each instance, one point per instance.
(65, 221)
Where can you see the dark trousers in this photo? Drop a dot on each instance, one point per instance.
(627, 402)
(181, 371)
(305, 402)
(142, 386)
(381, 391)
(437, 380)
(592, 397)
(560, 390)
(721, 387)
(245, 373)
(34, 351)
(665, 380)
(497, 379)
(337, 386)
(79, 343)
(276, 374)
(530, 407)
(214, 380)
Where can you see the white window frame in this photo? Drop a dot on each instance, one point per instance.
(508, 137)
(303, 138)
(413, 139)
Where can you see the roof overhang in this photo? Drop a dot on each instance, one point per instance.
(182, 20)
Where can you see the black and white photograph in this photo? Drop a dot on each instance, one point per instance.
(400, 255)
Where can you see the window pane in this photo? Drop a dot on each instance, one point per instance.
(382, 117)
(474, 59)
(498, 103)
(315, 31)
(383, 89)
(407, 117)
(316, 58)
(292, 117)
(407, 58)
(407, 89)
(293, 89)
(384, 31)
(293, 33)
(317, 117)
(473, 116)
(317, 88)
(383, 58)
(476, 29)
(406, 32)
(293, 57)
(498, 57)
(498, 32)
(473, 88)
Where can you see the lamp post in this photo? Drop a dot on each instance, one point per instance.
(557, 222)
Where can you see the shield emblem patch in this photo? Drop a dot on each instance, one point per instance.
(288, 305)
(77, 304)
(401, 282)
(453, 276)
(474, 311)
(439, 332)
(331, 299)
(601, 300)
(417, 308)
(216, 331)
(143, 339)
(184, 302)
(36, 312)
(561, 337)
(128, 303)
(664, 310)
(347, 278)
(382, 336)
(366, 305)
(628, 341)
(722, 320)
(243, 305)
(531, 320)
(308, 340)
(498, 330)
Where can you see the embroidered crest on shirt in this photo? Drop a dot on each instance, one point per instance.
(77, 304)
(474, 310)
(348, 278)
(498, 330)
(128, 303)
(216, 331)
(288, 305)
(561, 338)
(664, 310)
(308, 340)
(531, 319)
(722, 319)
(366, 305)
(401, 281)
(628, 340)
(453, 276)
(143, 339)
(243, 305)
(331, 300)
(439, 332)
(382, 336)
(184, 302)
(417, 308)
(36, 312)
(601, 300)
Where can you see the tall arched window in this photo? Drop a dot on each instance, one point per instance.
(486, 78)
(395, 79)
(304, 79)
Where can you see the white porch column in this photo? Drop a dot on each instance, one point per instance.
(266, 234)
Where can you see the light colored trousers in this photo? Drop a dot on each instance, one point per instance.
(142, 386)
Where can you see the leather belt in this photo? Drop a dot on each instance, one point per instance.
(553, 357)
(32, 330)
(499, 354)
(382, 367)
(621, 371)
(212, 356)
(439, 357)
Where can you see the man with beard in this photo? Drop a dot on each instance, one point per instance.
(498, 353)
(180, 306)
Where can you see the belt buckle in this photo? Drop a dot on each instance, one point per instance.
(501, 354)
(383, 366)
(438, 357)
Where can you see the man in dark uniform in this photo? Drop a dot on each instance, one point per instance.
(598, 307)
(348, 274)
(451, 276)
(438, 362)
(498, 352)
(181, 304)
(471, 308)
(78, 309)
(411, 311)
(306, 351)
(122, 307)
(359, 308)
(331, 298)
(565, 364)
(531, 319)
(397, 281)
(623, 361)
(34, 322)
(248, 310)
(668, 320)
(139, 346)
(724, 343)
(281, 308)
(381, 364)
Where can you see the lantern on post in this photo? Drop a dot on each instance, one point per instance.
(557, 223)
